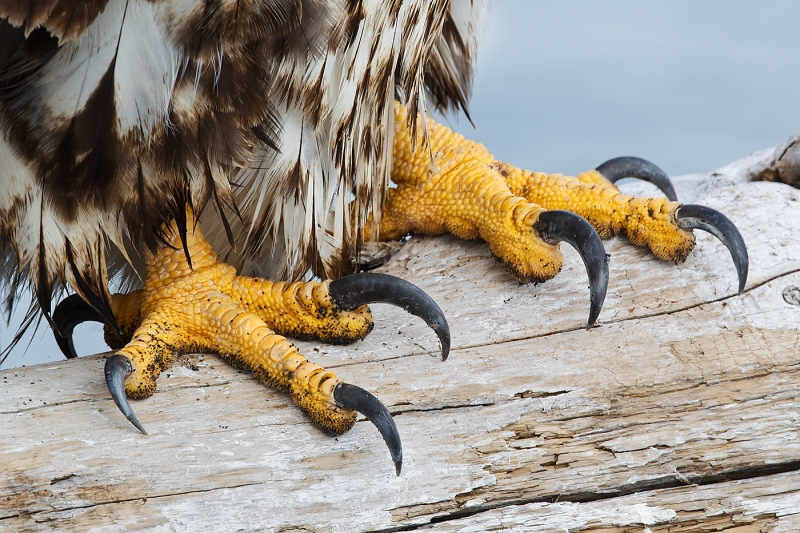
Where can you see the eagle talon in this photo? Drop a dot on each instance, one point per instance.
(69, 313)
(635, 167)
(556, 226)
(355, 398)
(690, 216)
(117, 368)
(351, 292)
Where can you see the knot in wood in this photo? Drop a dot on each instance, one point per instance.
(791, 295)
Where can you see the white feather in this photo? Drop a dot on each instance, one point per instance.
(145, 71)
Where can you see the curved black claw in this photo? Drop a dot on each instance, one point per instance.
(117, 368)
(635, 167)
(556, 226)
(351, 397)
(70, 312)
(356, 290)
(690, 216)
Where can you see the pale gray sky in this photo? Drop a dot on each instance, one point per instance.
(690, 84)
(564, 85)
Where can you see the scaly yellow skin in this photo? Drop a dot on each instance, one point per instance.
(646, 222)
(207, 307)
(451, 184)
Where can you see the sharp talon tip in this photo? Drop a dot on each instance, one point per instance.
(364, 288)
(117, 369)
(349, 396)
(636, 167)
(556, 226)
(66, 345)
(445, 343)
(690, 216)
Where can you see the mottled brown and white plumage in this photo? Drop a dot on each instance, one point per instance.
(273, 115)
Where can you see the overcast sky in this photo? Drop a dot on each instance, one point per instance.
(564, 85)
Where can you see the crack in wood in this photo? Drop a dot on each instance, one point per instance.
(667, 482)
(124, 500)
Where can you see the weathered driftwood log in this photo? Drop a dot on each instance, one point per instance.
(784, 166)
(680, 412)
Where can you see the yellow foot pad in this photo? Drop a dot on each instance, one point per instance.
(460, 191)
(662, 226)
(344, 295)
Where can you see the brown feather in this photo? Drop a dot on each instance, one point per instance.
(278, 111)
(65, 19)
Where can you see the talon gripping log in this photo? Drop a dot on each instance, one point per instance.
(556, 226)
(690, 216)
(116, 369)
(356, 290)
(635, 167)
(357, 399)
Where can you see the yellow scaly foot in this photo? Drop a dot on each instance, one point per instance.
(197, 303)
(446, 183)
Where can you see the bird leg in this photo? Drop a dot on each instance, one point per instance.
(197, 303)
(446, 183)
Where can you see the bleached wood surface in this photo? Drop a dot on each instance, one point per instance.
(680, 412)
